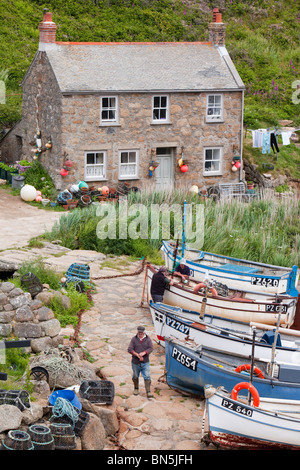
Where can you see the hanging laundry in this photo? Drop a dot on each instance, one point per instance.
(274, 144)
(257, 138)
(266, 147)
(286, 137)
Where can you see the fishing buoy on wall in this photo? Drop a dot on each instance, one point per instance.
(184, 168)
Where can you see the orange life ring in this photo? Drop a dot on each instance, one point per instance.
(201, 285)
(256, 370)
(246, 386)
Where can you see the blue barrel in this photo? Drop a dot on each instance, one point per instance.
(69, 395)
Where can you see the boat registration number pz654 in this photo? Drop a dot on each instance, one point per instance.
(184, 359)
(237, 408)
(264, 281)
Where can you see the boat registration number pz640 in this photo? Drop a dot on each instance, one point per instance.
(237, 408)
(264, 281)
(184, 359)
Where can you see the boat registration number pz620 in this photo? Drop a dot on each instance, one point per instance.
(264, 281)
(184, 359)
(237, 408)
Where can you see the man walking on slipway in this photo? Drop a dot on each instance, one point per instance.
(140, 347)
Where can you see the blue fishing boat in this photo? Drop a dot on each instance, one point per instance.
(236, 273)
(190, 369)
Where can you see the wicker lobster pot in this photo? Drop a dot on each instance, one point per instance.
(32, 284)
(97, 391)
(17, 440)
(64, 437)
(41, 437)
(78, 426)
(18, 398)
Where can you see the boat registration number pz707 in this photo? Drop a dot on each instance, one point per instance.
(177, 325)
(237, 408)
(184, 359)
(264, 281)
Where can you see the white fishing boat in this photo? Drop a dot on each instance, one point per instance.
(233, 424)
(225, 335)
(237, 305)
(236, 273)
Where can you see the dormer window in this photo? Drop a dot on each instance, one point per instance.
(214, 109)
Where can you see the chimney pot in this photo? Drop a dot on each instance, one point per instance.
(218, 18)
(215, 11)
(47, 29)
(217, 29)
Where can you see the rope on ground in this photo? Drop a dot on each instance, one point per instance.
(135, 273)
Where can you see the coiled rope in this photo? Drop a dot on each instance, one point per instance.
(63, 407)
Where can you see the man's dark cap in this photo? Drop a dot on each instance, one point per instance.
(141, 328)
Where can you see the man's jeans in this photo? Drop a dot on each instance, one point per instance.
(141, 368)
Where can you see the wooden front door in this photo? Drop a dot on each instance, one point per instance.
(164, 173)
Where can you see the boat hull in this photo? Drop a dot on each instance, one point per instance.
(189, 372)
(234, 425)
(236, 274)
(261, 311)
(184, 325)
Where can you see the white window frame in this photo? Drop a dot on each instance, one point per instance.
(110, 108)
(210, 116)
(213, 172)
(122, 166)
(161, 108)
(104, 165)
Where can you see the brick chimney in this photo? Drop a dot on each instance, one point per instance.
(47, 29)
(217, 29)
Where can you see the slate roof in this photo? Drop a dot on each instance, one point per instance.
(142, 67)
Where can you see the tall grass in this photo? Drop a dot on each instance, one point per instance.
(264, 230)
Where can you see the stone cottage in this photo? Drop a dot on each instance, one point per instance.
(115, 108)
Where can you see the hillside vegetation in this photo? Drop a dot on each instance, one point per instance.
(262, 38)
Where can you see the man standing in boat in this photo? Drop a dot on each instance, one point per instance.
(160, 282)
(140, 347)
(182, 270)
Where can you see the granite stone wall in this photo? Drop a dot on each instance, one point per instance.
(42, 111)
(24, 318)
(187, 128)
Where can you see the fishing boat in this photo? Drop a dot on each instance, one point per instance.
(189, 369)
(236, 305)
(236, 425)
(236, 273)
(212, 332)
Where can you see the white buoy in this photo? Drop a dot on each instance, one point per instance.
(28, 193)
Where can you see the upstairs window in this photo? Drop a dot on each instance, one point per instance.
(160, 109)
(109, 110)
(212, 161)
(95, 166)
(214, 110)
